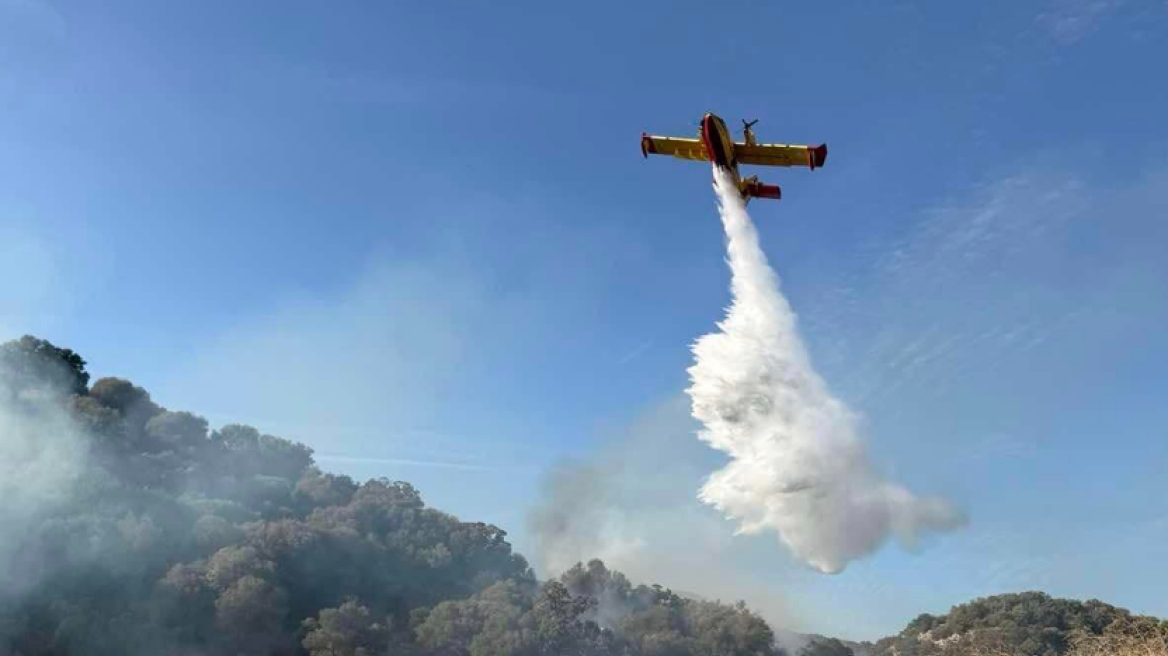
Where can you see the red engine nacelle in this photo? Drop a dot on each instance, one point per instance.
(759, 190)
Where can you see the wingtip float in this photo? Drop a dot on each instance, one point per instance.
(714, 144)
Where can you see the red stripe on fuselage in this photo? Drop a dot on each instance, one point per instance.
(714, 142)
(707, 122)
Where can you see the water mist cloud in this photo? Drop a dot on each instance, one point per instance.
(630, 503)
(798, 465)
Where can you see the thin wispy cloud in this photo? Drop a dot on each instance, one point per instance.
(1069, 21)
(957, 292)
(636, 352)
(1000, 446)
(404, 462)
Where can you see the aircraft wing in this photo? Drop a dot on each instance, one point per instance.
(676, 146)
(780, 155)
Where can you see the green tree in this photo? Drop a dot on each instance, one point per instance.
(183, 603)
(316, 489)
(31, 363)
(234, 562)
(494, 622)
(347, 630)
(250, 615)
(132, 402)
(177, 430)
(253, 453)
(555, 619)
(820, 646)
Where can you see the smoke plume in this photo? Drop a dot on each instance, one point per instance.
(42, 456)
(630, 503)
(797, 463)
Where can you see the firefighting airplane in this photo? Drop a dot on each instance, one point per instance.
(715, 144)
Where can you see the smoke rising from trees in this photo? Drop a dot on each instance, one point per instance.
(42, 451)
(798, 465)
(131, 529)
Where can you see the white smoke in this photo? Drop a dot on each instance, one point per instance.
(798, 465)
(42, 456)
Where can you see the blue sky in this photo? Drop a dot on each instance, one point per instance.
(421, 238)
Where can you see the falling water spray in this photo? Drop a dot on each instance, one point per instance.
(798, 465)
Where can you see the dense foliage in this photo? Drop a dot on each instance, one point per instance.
(133, 529)
(824, 646)
(170, 538)
(1026, 623)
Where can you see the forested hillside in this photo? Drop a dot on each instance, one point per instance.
(1026, 623)
(134, 529)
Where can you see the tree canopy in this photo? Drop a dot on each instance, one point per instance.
(1027, 623)
(176, 538)
(169, 537)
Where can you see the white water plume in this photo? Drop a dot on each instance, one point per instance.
(797, 463)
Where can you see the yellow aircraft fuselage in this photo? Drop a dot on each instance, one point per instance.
(720, 148)
(715, 144)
